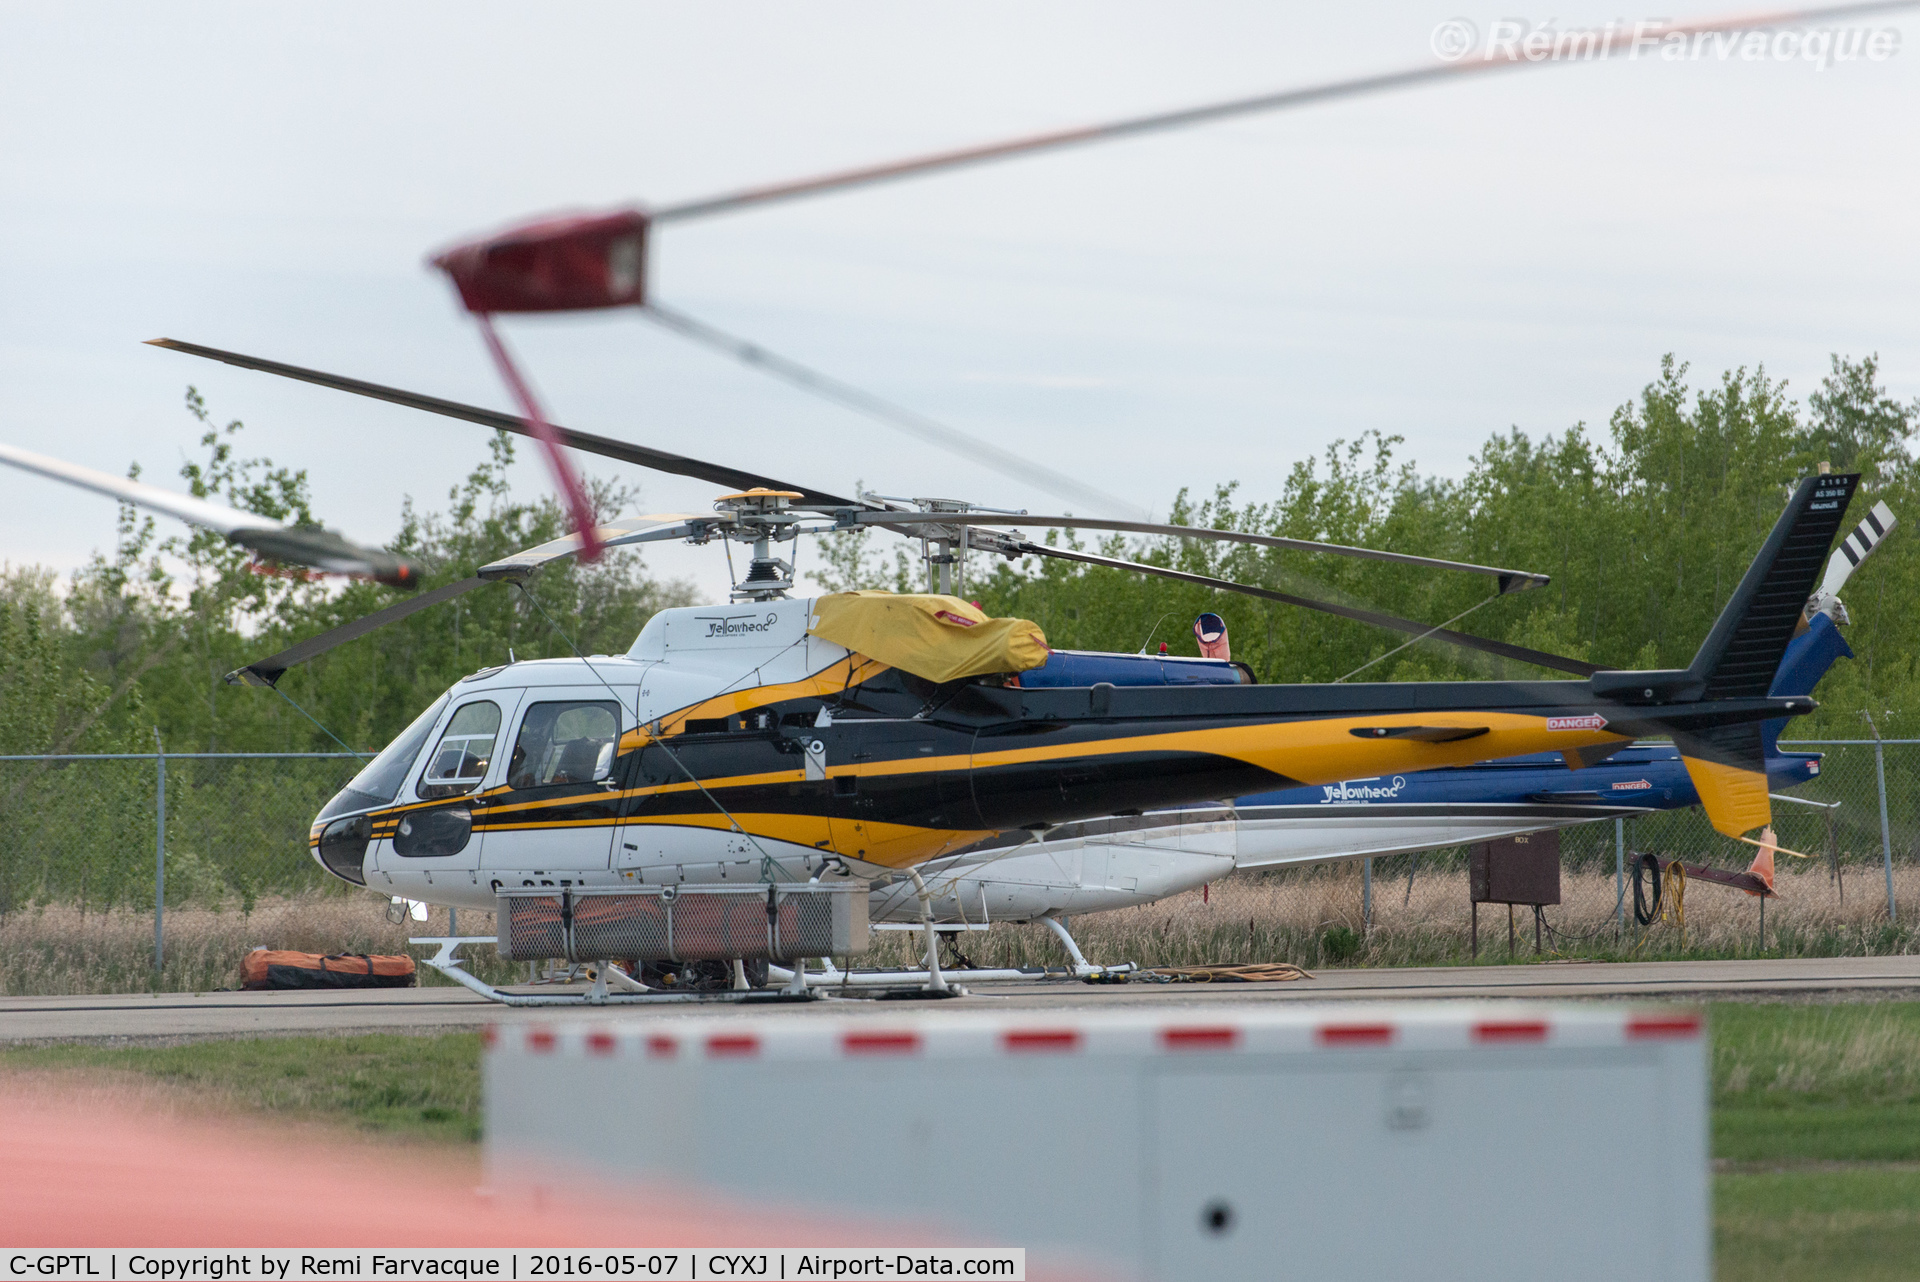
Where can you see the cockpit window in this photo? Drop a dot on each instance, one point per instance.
(466, 748)
(564, 743)
(380, 781)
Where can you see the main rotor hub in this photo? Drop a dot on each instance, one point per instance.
(759, 501)
(761, 517)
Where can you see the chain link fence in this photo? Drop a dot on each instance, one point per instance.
(81, 836)
(87, 831)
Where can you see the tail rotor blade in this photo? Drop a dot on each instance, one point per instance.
(1857, 547)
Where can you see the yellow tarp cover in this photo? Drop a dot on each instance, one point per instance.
(940, 638)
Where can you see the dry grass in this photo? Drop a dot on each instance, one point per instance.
(60, 951)
(1312, 917)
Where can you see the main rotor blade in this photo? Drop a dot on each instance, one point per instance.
(319, 549)
(935, 433)
(268, 671)
(1466, 641)
(510, 569)
(194, 511)
(637, 529)
(639, 455)
(1510, 580)
(1626, 40)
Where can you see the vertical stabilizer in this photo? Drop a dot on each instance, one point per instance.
(1741, 657)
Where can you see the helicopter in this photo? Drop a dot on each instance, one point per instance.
(858, 735)
(811, 738)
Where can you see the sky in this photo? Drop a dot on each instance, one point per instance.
(1215, 304)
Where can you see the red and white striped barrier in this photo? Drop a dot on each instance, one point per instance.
(1204, 1141)
(1293, 1032)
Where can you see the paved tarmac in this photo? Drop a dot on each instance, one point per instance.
(184, 1016)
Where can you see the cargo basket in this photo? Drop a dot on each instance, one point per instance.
(681, 923)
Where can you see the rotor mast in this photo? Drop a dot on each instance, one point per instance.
(761, 517)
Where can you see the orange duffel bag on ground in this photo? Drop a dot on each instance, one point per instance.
(271, 968)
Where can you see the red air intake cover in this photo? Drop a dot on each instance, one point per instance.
(554, 265)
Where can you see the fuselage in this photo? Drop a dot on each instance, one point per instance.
(730, 744)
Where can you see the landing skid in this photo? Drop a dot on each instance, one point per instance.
(935, 980)
(606, 978)
(803, 985)
(834, 977)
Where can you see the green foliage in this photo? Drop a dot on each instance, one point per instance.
(1646, 531)
(1339, 944)
(169, 617)
(47, 702)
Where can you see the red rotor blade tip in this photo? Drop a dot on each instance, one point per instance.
(564, 477)
(575, 262)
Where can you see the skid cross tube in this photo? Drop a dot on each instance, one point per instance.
(637, 994)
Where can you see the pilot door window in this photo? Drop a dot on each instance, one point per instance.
(563, 743)
(466, 749)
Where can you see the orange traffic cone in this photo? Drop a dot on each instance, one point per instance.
(1762, 866)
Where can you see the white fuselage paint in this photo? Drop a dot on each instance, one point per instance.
(1180, 851)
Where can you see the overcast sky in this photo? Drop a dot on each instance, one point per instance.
(1213, 304)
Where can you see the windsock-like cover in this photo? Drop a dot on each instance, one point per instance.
(939, 638)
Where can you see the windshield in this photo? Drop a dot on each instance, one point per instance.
(380, 781)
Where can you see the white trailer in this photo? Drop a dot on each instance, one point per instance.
(1358, 1141)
